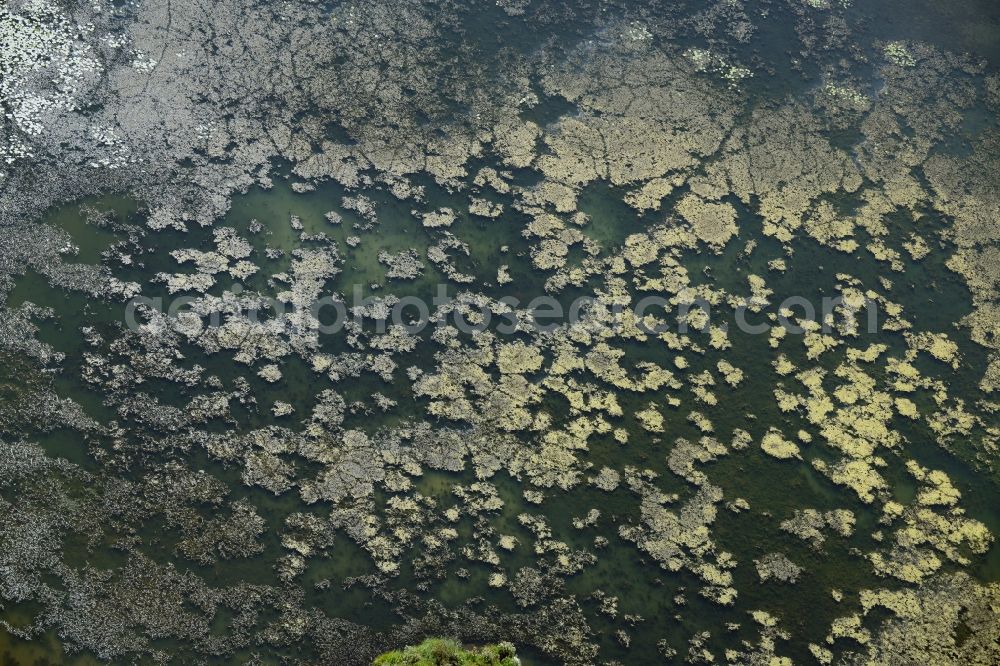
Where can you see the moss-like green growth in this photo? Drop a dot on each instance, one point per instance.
(441, 652)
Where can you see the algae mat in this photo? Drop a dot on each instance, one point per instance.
(620, 332)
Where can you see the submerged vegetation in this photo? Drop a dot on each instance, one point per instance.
(762, 431)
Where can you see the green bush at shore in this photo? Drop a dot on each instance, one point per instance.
(444, 652)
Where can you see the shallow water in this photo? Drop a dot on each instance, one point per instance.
(933, 297)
